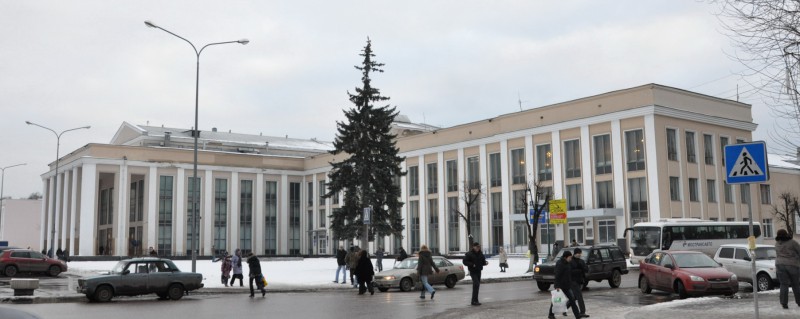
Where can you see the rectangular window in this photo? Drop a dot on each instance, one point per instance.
(165, 197)
(767, 223)
(321, 193)
(637, 195)
(674, 188)
(321, 217)
(711, 190)
(495, 178)
(605, 194)
(294, 218)
(310, 195)
(432, 176)
(723, 141)
(413, 181)
(473, 173)
(519, 201)
(544, 162)
(452, 176)
(518, 166)
(136, 209)
(220, 215)
(602, 154)
(192, 198)
(765, 194)
(728, 193)
(433, 225)
(309, 232)
(453, 221)
(547, 235)
(691, 151)
(413, 209)
(672, 145)
(271, 218)
(744, 192)
(246, 216)
(572, 158)
(497, 219)
(335, 198)
(606, 231)
(708, 148)
(634, 149)
(693, 190)
(574, 197)
(475, 221)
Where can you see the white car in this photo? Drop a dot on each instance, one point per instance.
(736, 258)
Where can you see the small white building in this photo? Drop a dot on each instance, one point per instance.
(21, 223)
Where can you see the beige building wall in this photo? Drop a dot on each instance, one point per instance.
(21, 223)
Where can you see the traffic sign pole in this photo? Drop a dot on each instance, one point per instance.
(752, 252)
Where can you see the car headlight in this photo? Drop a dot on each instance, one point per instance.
(733, 277)
(389, 278)
(536, 269)
(696, 278)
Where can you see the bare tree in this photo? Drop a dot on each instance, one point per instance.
(787, 210)
(534, 189)
(472, 193)
(768, 36)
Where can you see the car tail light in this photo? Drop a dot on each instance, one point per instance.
(461, 267)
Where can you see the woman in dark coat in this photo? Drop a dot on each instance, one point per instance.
(364, 272)
(425, 268)
(255, 274)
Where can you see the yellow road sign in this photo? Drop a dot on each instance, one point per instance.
(558, 211)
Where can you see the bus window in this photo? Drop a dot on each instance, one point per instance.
(645, 239)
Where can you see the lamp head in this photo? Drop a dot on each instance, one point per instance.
(150, 24)
(243, 41)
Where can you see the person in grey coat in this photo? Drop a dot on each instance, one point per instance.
(788, 266)
(425, 268)
(379, 258)
(236, 265)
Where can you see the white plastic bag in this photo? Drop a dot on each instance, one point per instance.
(559, 300)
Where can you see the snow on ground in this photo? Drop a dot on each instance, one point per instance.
(288, 274)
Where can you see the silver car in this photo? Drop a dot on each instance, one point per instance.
(141, 276)
(736, 258)
(404, 275)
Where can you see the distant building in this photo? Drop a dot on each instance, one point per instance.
(21, 223)
(617, 158)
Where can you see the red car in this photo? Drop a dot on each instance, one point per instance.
(14, 261)
(687, 273)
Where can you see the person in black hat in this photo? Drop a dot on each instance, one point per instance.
(475, 260)
(578, 274)
(563, 282)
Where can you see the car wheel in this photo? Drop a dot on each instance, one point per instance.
(175, 291)
(53, 271)
(644, 286)
(543, 286)
(615, 280)
(103, 294)
(406, 284)
(383, 289)
(450, 281)
(11, 270)
(764, 282)
(681, 290)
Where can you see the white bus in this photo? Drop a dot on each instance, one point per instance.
(686, 234)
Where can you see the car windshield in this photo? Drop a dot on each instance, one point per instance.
(584, 255)
(118, 268)
(407, 264)
(766, 253)
(698, 260)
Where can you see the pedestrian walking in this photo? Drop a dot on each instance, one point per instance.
(475, 260)
(788, 267)
(563, 282)
(236, 265)
(364, 273)
(425, 268)
(152, 252)
(578, 276)
(255, 274)
(503, 259)
(341, 265)
(226, 269)
(379, 258)
(352, 263)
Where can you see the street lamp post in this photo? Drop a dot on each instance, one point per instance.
(196, 135)
(52, 196)
(2, 183)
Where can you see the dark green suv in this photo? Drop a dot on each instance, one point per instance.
(605, 262)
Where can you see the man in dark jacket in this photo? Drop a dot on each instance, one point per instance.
(255, 274)
(563, 282)
(364, 273)
(579, 270)
(474, 260)
(341, 265)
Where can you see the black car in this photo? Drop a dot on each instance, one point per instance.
(140, 276)
(605, 262)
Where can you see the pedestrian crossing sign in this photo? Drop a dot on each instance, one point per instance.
(746, 163)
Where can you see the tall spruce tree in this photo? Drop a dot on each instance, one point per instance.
(369, 175)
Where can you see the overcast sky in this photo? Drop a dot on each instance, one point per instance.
(65, 64)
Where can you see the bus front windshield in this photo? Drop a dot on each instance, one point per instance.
(645, 240)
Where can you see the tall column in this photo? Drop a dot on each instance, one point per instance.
(462, 176)
(443, 210)
(618, 169)
(586, 168)
(558, 182)
(234, 212)
(151, 223)
(179, 237)
(258, 217)
(51, 196)
(508, 198)
(73, 211)
(486, 214)
(43, 216)
(88, 225)
(404, 210)
(121, 244)
(63, 223)
(422, 185)
(207, 222)
(651, 162)
(283, 216)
